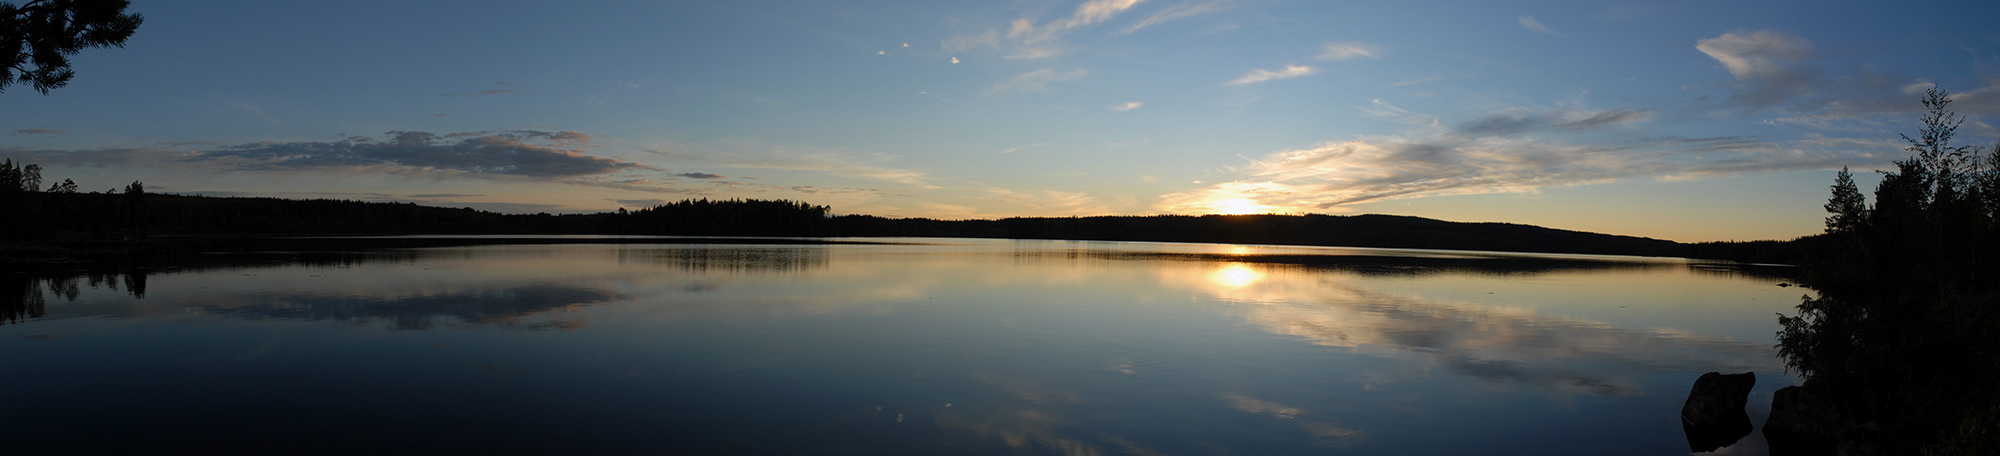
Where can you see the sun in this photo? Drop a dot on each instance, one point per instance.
(1238, 206)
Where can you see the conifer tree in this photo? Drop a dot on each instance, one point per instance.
(1848, 208)
(1901, 331)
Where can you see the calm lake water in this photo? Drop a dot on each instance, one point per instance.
(927, 346)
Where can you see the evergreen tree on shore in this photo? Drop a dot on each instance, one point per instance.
(1902, 330)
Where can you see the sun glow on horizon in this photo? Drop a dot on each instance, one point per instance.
(1237, 206)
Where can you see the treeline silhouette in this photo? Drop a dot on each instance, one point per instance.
(1386, 231)
(33, 214)
(115, 217)
(61, 215)
(1899, 348)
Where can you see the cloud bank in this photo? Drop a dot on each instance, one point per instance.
(510, 155)
(1784, 75)
(521, 153)
(1494, 155)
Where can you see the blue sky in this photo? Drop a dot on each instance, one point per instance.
(1690, 121)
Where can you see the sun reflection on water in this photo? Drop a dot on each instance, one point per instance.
(1236, 275)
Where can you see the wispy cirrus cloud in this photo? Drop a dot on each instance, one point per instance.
(639, 202)
(1762, 56)
(818, 190)
(1128, 106)
(1416, 81)
(487, 92)
(1173, 13)
(1261, 75)
(1020, 148)
(480, 93)
(1050, 201)
(1344, 51)
(1091, 12)
(701, 176)
(1024, 39)
(839, 163)
(637, 184)
(1033, 81)
(1529, 22)
(38, 131)
(1508, 123)
(1031, 54)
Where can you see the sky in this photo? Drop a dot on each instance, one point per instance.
(1682, 120)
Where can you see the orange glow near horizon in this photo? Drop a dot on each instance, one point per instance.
(1238, 206)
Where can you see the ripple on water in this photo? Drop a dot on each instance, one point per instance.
(1128, 360)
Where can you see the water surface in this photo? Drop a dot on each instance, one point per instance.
(939, 346)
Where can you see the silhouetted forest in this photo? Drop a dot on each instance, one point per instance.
(131, 217)
(61, 215)
(1899, 348)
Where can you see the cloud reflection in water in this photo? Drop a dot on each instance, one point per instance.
(1043, 347)
(502, 305)
(1497, 343)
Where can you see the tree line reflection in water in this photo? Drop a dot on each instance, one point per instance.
(28, 295)
(25, 296)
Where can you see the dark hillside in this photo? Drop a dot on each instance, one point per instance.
(1322, 230)
(126, 218)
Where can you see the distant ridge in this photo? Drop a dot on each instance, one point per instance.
(93, 217)
(1372, 230)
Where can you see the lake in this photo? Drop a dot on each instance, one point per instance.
(909, 346)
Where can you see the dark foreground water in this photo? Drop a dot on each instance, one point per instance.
(938, 347)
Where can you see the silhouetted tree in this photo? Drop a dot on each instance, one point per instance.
(135, 211)
(16, 208)
(38, 37)
(1902, 329)
(20, 177)
(1848, 207)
